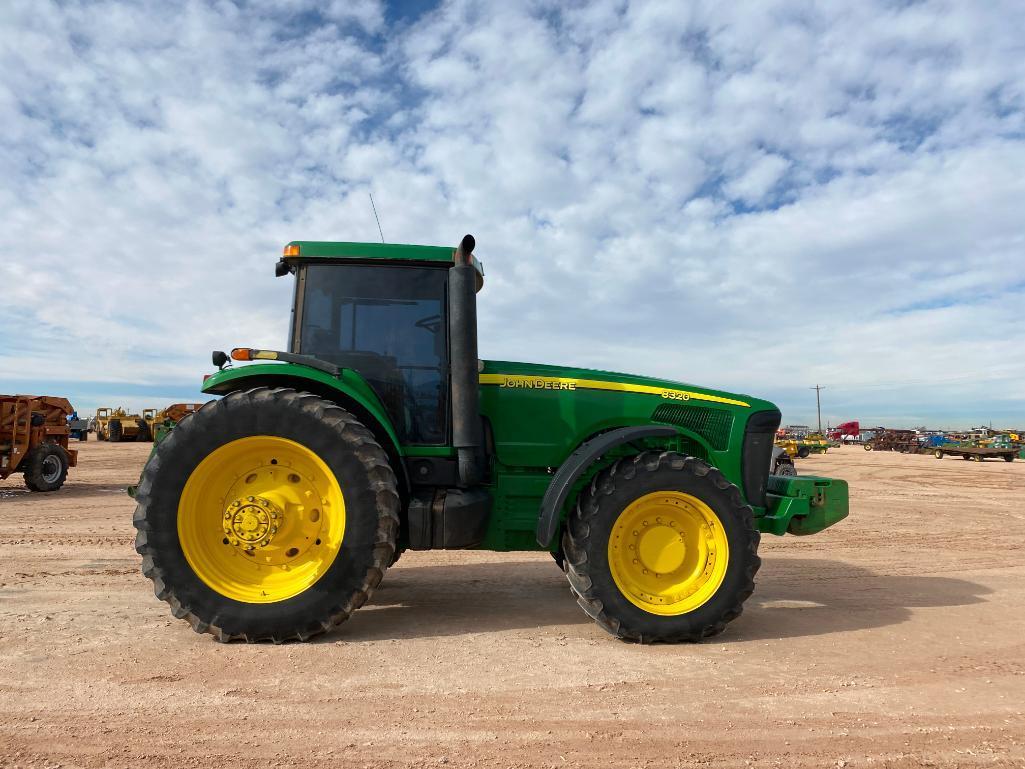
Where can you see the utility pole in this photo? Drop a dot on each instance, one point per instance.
(818, 404)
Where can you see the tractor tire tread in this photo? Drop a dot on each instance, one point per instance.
(576, 534)
(33, 474)
(380, 476)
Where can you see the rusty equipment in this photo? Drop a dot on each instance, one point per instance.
(34, 440)
(903, 441)
(166, 418)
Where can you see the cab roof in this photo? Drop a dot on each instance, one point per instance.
(323, 249)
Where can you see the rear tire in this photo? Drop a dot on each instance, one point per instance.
(114, 431)
(595, 530)
(144, 434)
(46, 467)
(348, 572)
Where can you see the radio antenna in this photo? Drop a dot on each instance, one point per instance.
(376, 216)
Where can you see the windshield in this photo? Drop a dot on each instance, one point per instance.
(388, 323)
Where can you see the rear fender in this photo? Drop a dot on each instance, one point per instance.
(349, 390)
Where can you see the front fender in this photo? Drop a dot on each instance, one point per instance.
(577, 463)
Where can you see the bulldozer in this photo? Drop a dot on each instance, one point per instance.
(273, 512)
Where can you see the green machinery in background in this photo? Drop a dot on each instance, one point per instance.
(273, 512)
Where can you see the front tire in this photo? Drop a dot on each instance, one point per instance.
(786, 469)
(694, 539)
(804, 452)
(227, 529)
(114, 431)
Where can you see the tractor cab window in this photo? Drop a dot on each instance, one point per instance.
(389, 324)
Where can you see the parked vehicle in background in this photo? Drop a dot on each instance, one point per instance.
(803, 447)
(78, 428)
(159, 422)
(34, 436)
(845, 432)
(117, 425)
(782, 463)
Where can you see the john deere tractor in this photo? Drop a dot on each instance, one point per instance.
(273, 512)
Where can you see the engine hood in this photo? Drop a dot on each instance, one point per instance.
(540, 376)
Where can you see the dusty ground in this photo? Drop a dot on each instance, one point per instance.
(897, 639)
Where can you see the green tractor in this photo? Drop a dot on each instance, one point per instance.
(272, 513)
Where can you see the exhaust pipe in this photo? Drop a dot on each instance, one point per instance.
(467, 436)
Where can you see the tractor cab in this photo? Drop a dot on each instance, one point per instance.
(388, 322)
(405, 319)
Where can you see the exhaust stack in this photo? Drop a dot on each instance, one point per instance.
(467, 436)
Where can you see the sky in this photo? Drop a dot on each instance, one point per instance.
(757, 196)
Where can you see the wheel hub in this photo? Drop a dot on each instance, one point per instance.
(661, 548)
(668, 552)
(251, 522)
(51, 469)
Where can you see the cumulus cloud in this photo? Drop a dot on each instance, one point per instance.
(759, 197)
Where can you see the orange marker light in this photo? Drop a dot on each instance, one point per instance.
(292, 250)
(242, 353)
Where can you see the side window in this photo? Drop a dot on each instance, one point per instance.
(388, 323)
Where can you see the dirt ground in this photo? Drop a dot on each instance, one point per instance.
(895, 639)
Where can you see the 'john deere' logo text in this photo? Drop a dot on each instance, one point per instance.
(528, 383)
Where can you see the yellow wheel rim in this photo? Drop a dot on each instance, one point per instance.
(261, 519)
(668, 553)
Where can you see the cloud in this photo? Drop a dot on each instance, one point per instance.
(758, 198)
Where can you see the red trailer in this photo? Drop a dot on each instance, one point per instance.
(34, 440)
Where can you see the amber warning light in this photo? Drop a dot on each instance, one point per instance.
(291, 250)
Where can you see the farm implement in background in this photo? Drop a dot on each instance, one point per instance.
(995, 447)
(34, 436)
(901, 441)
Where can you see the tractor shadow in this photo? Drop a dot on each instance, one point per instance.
(794, 597)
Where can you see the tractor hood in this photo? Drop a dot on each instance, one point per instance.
(544, 377)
